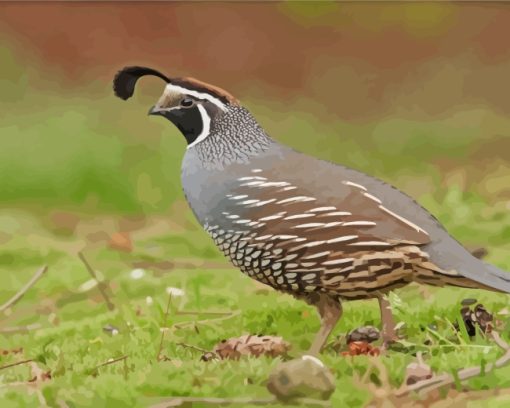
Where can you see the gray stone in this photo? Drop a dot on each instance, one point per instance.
(305, 377)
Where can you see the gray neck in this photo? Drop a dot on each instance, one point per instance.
(234, 137)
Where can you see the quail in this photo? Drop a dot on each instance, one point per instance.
(314, 229)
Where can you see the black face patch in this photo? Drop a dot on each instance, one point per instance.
(188, 121)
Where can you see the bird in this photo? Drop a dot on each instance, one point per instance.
(317, 230)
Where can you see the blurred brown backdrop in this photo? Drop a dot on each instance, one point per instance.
(356, 60)
(415, 93)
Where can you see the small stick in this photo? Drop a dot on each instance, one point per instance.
(197, 312)
(164, 324)
(178, 401)
(206, 321)
(17, 329)
(100, 284)
(190, 346)
(110, 362)
(15, 364)
(444, 379)
(12, 301)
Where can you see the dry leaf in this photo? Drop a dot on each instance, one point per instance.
(121, 241)
(249, 345)
(479, 316)
(357, 348)
(417, 371)
(5, 352)
(209, 356)
(38, 374)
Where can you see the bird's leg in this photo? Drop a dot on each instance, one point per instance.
(389, 333)
(330, 311)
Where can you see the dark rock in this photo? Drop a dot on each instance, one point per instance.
(367, 334)
(468, 302)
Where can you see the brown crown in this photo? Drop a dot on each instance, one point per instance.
(199, 86)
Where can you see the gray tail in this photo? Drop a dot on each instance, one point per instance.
(486, 275)
(450, 255)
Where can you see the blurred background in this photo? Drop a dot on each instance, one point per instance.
(414, 93)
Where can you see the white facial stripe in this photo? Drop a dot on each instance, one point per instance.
(168, 109)
(199, 95)
(206, 123)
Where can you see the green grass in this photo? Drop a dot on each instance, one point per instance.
(71, 342)
(86, 154)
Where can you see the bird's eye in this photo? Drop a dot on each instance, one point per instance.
(187, 102)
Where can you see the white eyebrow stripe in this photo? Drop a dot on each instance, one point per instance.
(318, 209)
(350, 183)
(200, 95)
(342, 239)
(206, 126)
(418, 229)
(338, 261)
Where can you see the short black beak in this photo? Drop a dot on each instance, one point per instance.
(154, 111)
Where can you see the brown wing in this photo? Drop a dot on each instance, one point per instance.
(311, 242)
(358, 220)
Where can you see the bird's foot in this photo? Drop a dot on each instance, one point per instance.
(388, 339)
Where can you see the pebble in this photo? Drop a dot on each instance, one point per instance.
(305, 377)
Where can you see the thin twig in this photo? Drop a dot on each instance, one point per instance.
(499, 341)
(190, 346)
(178, 401)
(40, 397)
(12, 301)
(206, 321)
(17, 329)
(442, 380)
(100, 284)
(197, 312)
(15, 364)
(116, 360)
(158, 355)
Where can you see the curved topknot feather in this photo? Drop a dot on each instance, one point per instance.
(125, 80)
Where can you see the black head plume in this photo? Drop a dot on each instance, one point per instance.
(125, 80)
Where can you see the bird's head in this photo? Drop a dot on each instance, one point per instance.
(191, 105)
